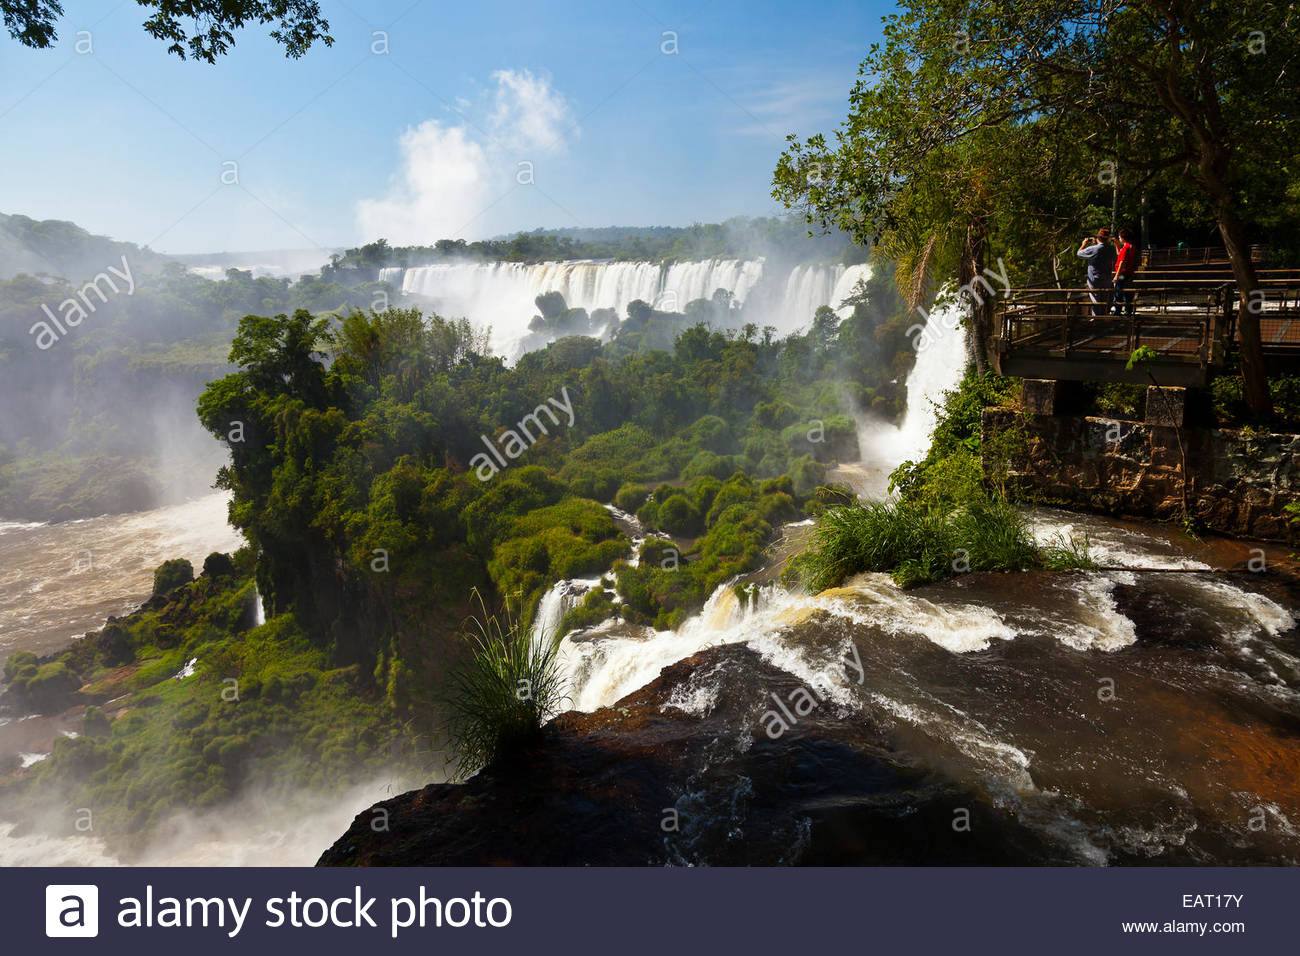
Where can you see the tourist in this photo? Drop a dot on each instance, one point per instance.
(1126, 263)
(1099, 253)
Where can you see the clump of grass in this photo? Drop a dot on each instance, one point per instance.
(918, 542)
(1069, 554)
(504, 693)
(878, 536)
(992, 534)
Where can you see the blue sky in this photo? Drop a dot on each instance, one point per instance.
(426, 139)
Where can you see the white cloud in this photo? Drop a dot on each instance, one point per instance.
(441, 188)
(529, 115)
(451, 173)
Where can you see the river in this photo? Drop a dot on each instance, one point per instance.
(58, 581)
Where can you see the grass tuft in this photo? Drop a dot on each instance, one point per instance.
(504, 693)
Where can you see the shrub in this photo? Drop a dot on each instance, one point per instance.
(218, 565)
(631, 496)
(596, 606)
(21, 663)
(171, 575)
(806, 473)
(679, 516)
(708, 463)
(45, 688)
(94, 723)
(919, 541)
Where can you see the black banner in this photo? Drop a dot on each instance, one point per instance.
(660, 911)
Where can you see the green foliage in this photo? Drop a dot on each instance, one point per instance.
(740, 237)
(502, 695)
(596, 606)
(953, 513)
(202, 29)
(1142, 355)
(740, 518)
(631, 496)
(1118, 400)
(1228, 395)
(218, 565)
(263, 705)
(679, 516)
(172, 574)
(968, 123)
(94, 723)
(916, 542)
(960, 465)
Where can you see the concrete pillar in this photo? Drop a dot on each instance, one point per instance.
(1166, 406)
(1040, 396)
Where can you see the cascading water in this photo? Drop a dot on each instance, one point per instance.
(941, 357)
(556, 603)
(502, 294)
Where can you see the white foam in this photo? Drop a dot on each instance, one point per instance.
(1109, 545)
(879, 603)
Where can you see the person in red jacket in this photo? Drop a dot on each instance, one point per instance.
(1126, 263)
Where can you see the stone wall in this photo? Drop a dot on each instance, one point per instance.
(1240, 481)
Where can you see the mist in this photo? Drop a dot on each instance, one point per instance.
(266, 825)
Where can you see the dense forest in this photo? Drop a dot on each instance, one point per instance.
(66, 451)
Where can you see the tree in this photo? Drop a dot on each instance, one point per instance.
(1197, 89)
(202, 29)
(929, 174)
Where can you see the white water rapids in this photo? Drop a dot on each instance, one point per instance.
(602, 669)
(1078, 620)
(502, 294)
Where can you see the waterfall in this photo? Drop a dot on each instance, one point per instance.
(562, 598)
(809, 287)
(941, 357)
(502, 294)
(259, 611)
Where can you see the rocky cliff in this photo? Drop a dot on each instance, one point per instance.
(683, 772)
(1240, 481)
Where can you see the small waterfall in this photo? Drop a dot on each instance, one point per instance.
(259, 611)
(808, 288)
(562, 598)
(941, 358)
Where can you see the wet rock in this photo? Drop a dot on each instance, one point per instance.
(647, 782)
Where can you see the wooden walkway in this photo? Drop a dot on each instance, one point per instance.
(1189, 317)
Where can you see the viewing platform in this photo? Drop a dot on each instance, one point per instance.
(1186, 311)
